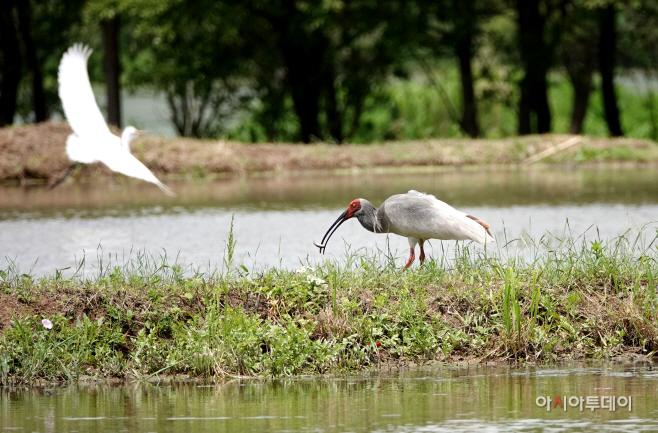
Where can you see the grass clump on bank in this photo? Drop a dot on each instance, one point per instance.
(36, 153)
(568, 299)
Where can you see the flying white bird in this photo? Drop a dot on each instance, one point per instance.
(416, 216)
(92, 140)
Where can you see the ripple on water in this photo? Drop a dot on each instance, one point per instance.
(492, 399)
(45, 231)
(619, 373)
(532, 425)
(552, 373)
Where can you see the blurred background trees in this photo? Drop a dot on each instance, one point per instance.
(347, 71)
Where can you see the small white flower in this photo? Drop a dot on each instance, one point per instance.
(47, 324)
(319, 281)
(301, 271)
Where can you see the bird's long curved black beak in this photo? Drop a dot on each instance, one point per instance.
(323, 245)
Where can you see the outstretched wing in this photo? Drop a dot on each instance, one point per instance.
(124, 162)
(78, 100)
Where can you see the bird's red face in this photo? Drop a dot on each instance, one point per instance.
(353, 207)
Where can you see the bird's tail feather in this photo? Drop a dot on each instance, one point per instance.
(166, 189)
(485, 225)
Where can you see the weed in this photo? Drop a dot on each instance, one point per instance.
(571, 298)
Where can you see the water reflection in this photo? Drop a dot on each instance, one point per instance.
(277, 218)
(460, 187)
(433, 399)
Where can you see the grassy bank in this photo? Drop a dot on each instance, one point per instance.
(569, 300)
(37, 153)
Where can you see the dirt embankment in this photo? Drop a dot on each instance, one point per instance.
(37, 152)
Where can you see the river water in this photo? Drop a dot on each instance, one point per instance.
(423, 399)
(277, 218)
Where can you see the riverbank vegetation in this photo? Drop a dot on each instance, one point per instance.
(526, 301)
(36, 153)
(347, 71)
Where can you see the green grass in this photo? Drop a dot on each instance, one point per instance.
(416, 109)
(570, 299)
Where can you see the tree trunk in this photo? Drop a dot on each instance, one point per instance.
(38, 99)
(534, 56)
(112, 69)
(274, 103)
(581, 87)
(469, 108)
(579, 62)
(304, 77)
(607, 46)
(11, 64)
(334, 125)
(464, 51)
(306, 101)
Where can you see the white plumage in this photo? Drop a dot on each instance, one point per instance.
(416, 216)
(92, 140)
(423, 216)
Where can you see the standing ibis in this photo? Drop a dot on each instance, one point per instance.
(416, 216)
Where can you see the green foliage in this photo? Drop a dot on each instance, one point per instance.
(356, 71)
(575, 299)
(53, 25)
(30, 351)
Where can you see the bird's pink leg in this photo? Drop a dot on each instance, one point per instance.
(412, 256)
(422, 253)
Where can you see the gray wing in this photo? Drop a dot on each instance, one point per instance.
(425, 217)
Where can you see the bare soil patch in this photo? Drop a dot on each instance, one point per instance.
(37, 152)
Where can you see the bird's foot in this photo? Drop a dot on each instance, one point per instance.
(412, 256)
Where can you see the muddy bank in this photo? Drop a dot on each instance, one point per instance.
(145, 318)
(36, 153)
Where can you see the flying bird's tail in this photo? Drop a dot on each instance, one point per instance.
(166, 189)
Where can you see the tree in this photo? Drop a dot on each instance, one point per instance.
(11, 63)
(465, 25)
(329, 54)
(637, 52)
(578, 51)
(607, 48)
(33, 64)
(110, 36)
(457, 27)
(535, 58)
(196, 55)
(33, 36)
(107, 15)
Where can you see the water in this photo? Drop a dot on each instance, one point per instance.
(277, 218)
(427, 399)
